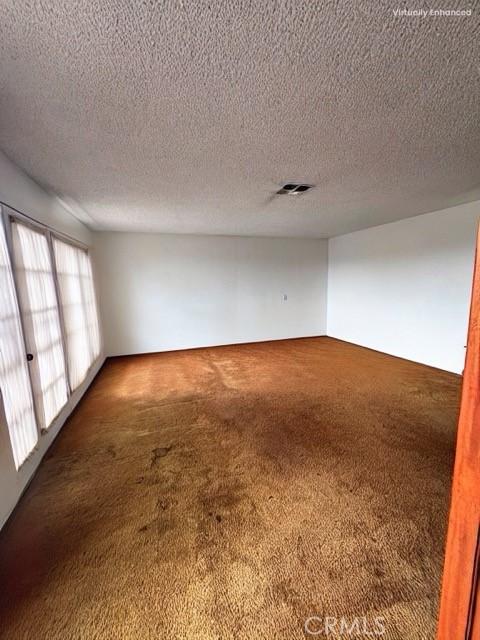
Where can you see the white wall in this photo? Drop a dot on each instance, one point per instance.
(21, 193)
(404, 288)
(18, 191)
(162, 292)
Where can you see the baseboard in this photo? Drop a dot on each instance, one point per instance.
(393, 355)
(215, 346)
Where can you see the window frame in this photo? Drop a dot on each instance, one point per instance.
(85, 249)
(9, 215)
(9, 247)
(41, 230)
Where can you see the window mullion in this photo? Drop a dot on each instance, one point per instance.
(60, 310)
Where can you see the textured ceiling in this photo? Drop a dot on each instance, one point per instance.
(186, 116)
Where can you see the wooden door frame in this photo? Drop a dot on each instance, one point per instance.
(459, 617)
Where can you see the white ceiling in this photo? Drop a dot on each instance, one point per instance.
(186, 116)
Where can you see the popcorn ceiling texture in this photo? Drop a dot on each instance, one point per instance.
(187, 116)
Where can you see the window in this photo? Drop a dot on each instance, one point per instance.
(79, 309)
(49, 328)
(38, 303)
(14, 377)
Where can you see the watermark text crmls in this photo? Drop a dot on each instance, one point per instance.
(316, 626)
(433, 13)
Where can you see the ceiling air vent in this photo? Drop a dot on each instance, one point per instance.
(292, 188)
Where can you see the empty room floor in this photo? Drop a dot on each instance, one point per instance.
(233, 492)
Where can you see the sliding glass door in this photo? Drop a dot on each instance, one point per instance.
(49, 326)
(38, 303)
(14, 376)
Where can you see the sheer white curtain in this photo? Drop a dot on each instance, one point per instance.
(14, 377)
(38, 302)
(79, 309)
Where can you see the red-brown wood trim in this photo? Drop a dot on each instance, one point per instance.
(459, 617)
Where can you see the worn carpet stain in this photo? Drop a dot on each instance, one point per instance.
(232, 492)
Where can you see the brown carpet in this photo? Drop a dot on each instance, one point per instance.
(232, 493)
